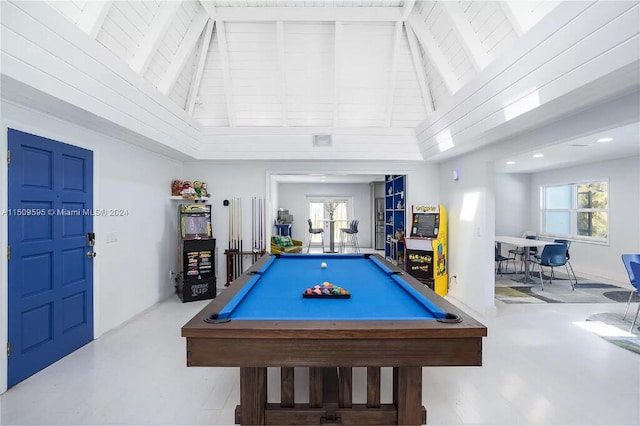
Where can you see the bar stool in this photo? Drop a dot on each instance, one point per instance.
(352, 233)
(314, 231)
(343, 236)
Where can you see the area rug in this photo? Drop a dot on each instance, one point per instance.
(617, 331)
(559, 291)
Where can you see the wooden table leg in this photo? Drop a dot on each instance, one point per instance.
(373, 387)
(253, 395)
(287, 390)
(408, 395)
(345, 375)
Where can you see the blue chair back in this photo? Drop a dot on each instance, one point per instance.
(532, 250)
(566, 243)
(635, 269)
(553, 255)
(627, 259)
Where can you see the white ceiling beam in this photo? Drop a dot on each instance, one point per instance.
(407, 7)
(395, 55)
(210, 8)
(511, 17)
(197, 77)
(469, 38)
(283, 70)
(226, 71)
(434, 53)
(311, 14)
(336, 69)
(185, 50)
(93, 16)
(151, 40)
(417, 63)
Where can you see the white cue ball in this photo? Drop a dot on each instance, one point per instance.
(323, 265)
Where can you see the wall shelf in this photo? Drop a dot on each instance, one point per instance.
(395, 204)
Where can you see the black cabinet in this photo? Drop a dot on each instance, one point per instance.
(197, 279)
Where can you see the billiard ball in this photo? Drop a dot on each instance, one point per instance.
(323, 265)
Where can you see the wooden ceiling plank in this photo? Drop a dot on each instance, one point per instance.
(152, 39)
(185, 50)
(471, 43)
(283, 72)
(419, 67)
(395, 55)
(197, 79)
(226, 71)
(93, 16)
(433, 51)
(309, 14)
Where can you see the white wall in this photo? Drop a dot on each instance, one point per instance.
(247, 179)
(293, 197)
(512, 204)
(471, 235)
(132, 273)
(601, 260)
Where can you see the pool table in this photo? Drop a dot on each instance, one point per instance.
(389, 320)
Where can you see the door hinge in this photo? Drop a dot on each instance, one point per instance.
(8, 348)
(8, 157)
(8, 252)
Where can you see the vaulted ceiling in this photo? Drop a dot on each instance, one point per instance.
(313, 63)
(383, 79)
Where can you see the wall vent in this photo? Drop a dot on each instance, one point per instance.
(322, 140)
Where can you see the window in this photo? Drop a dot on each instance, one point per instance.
(577, 210)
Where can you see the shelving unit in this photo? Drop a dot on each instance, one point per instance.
(395, 204)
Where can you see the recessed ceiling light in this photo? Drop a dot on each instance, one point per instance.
(511, 162)
(580, 144)
(603, 140)
(538, 155)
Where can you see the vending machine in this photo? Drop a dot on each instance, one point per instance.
(196, 279)
(426, 247)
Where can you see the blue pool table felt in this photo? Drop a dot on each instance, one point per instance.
(275, 292)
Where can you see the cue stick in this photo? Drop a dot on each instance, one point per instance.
(241, 270)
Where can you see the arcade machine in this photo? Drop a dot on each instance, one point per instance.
(426, 247)
(196, 280)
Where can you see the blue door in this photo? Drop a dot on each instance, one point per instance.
(50, 268)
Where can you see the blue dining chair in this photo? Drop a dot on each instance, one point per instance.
(633, 278)
(553, 255)
(499, 259)
(635, 269)
(568, 244)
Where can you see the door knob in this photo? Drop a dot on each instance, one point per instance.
(91, 254)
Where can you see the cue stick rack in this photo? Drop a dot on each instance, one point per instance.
(236, 252)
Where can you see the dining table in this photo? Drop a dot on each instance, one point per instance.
(526, 244)
(332, 225)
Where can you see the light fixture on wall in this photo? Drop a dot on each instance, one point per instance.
(322, 140)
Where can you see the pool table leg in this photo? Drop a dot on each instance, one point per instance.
(407, 395)
(253, 395)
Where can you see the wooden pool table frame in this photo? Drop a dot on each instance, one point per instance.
(330, 349)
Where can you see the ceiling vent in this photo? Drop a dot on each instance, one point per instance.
(322, 140)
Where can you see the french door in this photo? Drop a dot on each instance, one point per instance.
(318, 210)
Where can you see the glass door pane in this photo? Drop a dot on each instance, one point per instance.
(319, 213)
